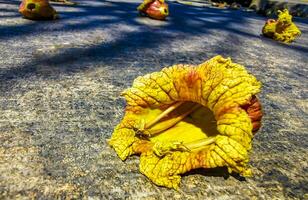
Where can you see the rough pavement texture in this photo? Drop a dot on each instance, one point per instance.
(59, 100)
(296, 7)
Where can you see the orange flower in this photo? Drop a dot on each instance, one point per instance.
(186, 117)
(37, 10)
(156, 9)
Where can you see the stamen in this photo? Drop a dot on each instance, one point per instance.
(199, 143)
(161, 149)
(163, 114)
(173, 121)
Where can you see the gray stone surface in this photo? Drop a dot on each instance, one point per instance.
(59, 100)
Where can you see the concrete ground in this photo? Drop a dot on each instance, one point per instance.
(59, 99)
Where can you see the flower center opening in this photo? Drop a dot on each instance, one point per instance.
(31, 6)
(187, 125)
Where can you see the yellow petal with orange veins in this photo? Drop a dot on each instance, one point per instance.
(186, 117)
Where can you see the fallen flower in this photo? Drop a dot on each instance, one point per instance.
(37, 10)
(282, 29)
(186, 117)
(156, 9)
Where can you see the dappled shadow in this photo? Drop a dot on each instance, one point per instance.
(188, 19)
(9, 16)
(9, 2)
(135, 45)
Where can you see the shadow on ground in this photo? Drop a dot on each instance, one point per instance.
(185, 22)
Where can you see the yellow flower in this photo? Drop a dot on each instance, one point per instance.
(282, 29)
(186, 117)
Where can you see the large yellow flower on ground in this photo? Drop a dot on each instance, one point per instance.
(186, 117)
